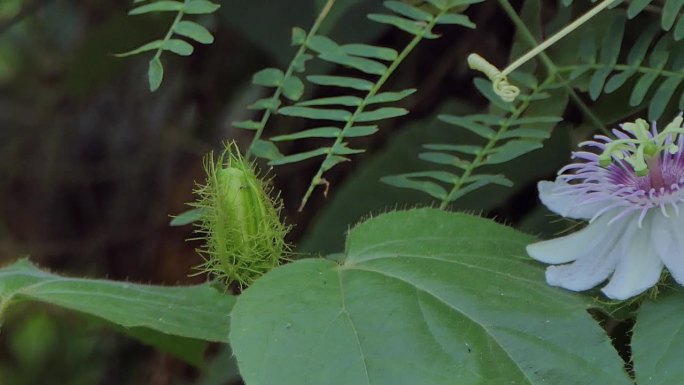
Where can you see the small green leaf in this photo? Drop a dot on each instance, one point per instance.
(247, 124)
(405, 181)
(618, 80)
(679, 29)
(151, 46)
(636, 6)
(640, 48)
(187, 217)
(320, 132)
(316, 113)
(468, 124)
(340, 81)
(368, 66)
(511, 150)
(403, 24)
(298, 36)
(266, 150)
(442, 5)
(194, 31)
(356, 131)
(299, 62)
(381, 113)
(265, 104)
(370, 51)
(489, 178)
(441, 158)
(351, 101)
(527, 120)
(200, 7)
(446, 5)
(408, 10)
(671, 9)
(456, 19)
(525, 133)
(293, 88)
(461, 148)
(442, 176)
(158, 6)
(662, 97)
(323, 44)
(343, 149)
(387, 97)
(332, 161)
(179, 47)
(268, 77)
(155, 73)
(641, 88)
(299, 157)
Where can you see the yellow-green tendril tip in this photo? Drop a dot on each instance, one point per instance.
(506, 91)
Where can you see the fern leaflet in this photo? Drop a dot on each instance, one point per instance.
(348, 112)
(670, 10)
(655, 61)
(185, 28)
(507, 137)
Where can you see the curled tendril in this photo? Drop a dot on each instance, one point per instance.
(506, 91)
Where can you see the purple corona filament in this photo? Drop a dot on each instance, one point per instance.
(630, 189)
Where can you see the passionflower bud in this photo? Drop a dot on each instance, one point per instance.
(244, 236)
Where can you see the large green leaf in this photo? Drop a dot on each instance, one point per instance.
(199, 312)
(420, 297)
(658, 341)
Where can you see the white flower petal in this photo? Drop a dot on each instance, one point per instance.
(591, 268)
(571, 247)
(565, 204)
(668, 241)
(639, 267)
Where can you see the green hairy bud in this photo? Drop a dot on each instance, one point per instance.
(240, 221)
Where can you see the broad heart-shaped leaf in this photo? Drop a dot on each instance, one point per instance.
(658, 341)
(420, 297)
(199, 312)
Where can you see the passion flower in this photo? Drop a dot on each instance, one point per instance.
(631, 192)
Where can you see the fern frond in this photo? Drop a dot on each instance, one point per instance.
(286, 84)
(655, 63)
(180, 27)
(368, 61)
(670, 11)
(506, 136)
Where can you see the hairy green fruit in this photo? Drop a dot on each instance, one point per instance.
(240, 223)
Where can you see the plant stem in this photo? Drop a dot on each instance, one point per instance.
(557, 36)
(484, 151)
(550, 66)
(317, 179)
(290, 69)
(169, 33)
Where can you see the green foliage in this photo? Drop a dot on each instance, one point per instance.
(655, 62)
(506, 136)
(348, 110)
(413, 300)
(199, 312)
(669, 10)
(657, 342)
(180, 27)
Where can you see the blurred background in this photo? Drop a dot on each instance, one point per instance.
(92, 164)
